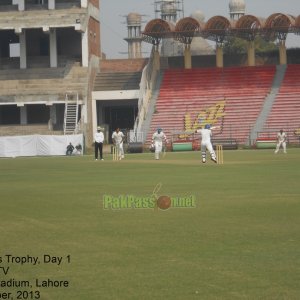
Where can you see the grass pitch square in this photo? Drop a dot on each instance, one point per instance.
(239, 241)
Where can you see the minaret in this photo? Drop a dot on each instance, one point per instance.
(236, 9)
(170, 10)
(134, 39)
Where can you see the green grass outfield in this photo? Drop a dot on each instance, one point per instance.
(242, 241)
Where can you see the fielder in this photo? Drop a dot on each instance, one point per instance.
(157, 141)
(206, 134)
(118, 138)
(281, 141)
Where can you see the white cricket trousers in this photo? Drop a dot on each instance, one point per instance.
(120, 149)
(209, 147)
(158, 149)
(283, 146)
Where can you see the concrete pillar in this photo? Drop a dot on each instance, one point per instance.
(53, 48)
(219, 56)
(187, 57)
(282, 53)
(84, 111)
(51, 4)
(251, 53)
(23, 51)
(130, 51)
(53, 114)
(23, 115)
(139, 50)
(94, 116)
(156, 59)
(134, 50)
(21, 6)
(85, 48)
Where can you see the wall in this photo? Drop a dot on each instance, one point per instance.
(94, 37)
(123, 65)
(95, 3)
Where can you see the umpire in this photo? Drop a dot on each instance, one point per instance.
(99, 139)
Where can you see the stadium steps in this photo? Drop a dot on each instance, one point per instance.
(267, 106)
(152, 106)
(14, 130)
(61, 80)
(28, 74)
(285, 112)
(117, 81)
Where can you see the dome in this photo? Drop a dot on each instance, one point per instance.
(237, 6)
(134, 19)
(168, 7)
(200, 46)
(198, 15)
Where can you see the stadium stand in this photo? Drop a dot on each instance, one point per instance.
(197, 91)
(285, 113)
(34, 82)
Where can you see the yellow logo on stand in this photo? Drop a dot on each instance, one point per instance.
(211, 116)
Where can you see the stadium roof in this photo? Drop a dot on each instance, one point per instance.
(218, 28)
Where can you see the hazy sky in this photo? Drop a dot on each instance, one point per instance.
(113, 18)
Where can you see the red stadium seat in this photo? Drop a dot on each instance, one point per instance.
(193, 91)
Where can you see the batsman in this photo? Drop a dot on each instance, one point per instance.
(206, 134)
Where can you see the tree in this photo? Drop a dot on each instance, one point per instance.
(263, 46)
(235, 46)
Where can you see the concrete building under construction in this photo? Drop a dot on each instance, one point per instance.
(49, 55)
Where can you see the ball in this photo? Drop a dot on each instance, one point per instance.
(164, 202)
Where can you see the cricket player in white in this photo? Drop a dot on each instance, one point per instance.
(281, 141)
(206, 134)
(118, 138)
(157, 141)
